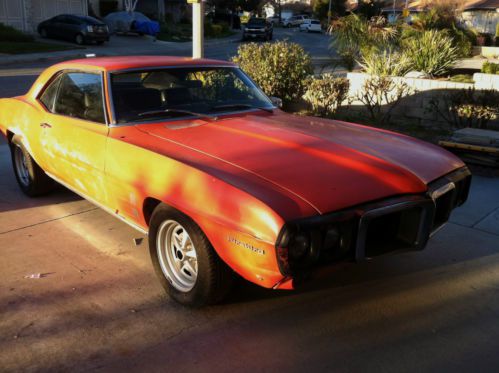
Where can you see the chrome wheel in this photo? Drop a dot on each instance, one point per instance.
(21, 166)
(177, 255)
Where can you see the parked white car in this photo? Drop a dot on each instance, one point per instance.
(311, 25)
(294, 21)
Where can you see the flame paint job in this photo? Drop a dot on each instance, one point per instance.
(239, 178)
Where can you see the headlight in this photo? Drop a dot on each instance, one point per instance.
(90, 28)
(302, 243)
(298, 246)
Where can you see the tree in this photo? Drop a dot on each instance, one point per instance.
(369, 8)
(321, 8)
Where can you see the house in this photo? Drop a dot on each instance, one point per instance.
(482, 15)
(156, 9)
(25, 15)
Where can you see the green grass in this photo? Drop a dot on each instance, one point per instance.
(8, 47)
(175, 32)
(182, 32)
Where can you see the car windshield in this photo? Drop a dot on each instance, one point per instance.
(179, 92)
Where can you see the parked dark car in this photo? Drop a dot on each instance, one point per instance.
(79, 29)
(258, 28)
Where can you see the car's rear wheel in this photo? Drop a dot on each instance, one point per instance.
(79, 39)
(184, 260)
(31, 178)
(43, 33)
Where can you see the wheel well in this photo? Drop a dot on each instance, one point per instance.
(148, 208)
(10, 138)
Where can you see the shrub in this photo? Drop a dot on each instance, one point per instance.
(212, 30)
(280, 68)
(467, 107)
(490, 68)
(431, 52)
(354, 34)
(385, 63)
(9, 33)
(380, 95)
(326, 94)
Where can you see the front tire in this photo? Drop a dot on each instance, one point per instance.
(184, 260)
(43, 33)
(32, 180)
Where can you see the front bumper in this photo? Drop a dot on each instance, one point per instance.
(368, 230)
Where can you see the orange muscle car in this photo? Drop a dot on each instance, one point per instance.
(194, 154)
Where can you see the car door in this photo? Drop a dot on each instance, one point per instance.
(74, 134)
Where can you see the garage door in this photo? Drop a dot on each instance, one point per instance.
(44, 9)
(12, 13)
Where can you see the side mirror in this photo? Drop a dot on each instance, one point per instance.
(276, 101)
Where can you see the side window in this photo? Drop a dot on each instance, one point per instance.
(80, 96)
(48, 96)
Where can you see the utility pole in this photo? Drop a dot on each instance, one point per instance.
(197, 28)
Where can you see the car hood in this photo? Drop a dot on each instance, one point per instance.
(329, 164)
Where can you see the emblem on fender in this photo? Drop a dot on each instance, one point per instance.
(246, 245)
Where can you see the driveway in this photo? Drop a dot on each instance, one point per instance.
(97, 304)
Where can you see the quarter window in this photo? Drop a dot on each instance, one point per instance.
(80, 96)
(48, 96)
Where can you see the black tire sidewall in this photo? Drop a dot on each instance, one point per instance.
(204, 290)
(39, 182)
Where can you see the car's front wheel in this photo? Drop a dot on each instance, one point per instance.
(43, 33)
(31, 178)
(184, 260)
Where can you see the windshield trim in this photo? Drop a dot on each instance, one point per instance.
(112, 114)
(182, 118)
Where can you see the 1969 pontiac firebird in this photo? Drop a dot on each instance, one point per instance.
(194, 154)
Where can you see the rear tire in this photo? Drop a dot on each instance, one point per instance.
(184, 260)
(32, 180)
(43, 33)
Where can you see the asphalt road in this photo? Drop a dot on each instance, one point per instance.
(98, 305)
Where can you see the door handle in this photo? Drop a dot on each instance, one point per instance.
(45, 125)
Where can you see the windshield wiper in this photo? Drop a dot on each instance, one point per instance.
(177, 111)
(242, 106)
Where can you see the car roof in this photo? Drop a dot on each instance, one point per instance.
(138, 62)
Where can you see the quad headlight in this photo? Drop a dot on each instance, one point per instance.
(302, 244)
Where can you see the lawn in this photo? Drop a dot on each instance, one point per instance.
(9, 47)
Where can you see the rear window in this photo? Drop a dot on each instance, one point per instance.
(316, 23)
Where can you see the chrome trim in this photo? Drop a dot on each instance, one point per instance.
(442, 190)
(98, 204)
(112, 121)
(162, 67)
(220, 118)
